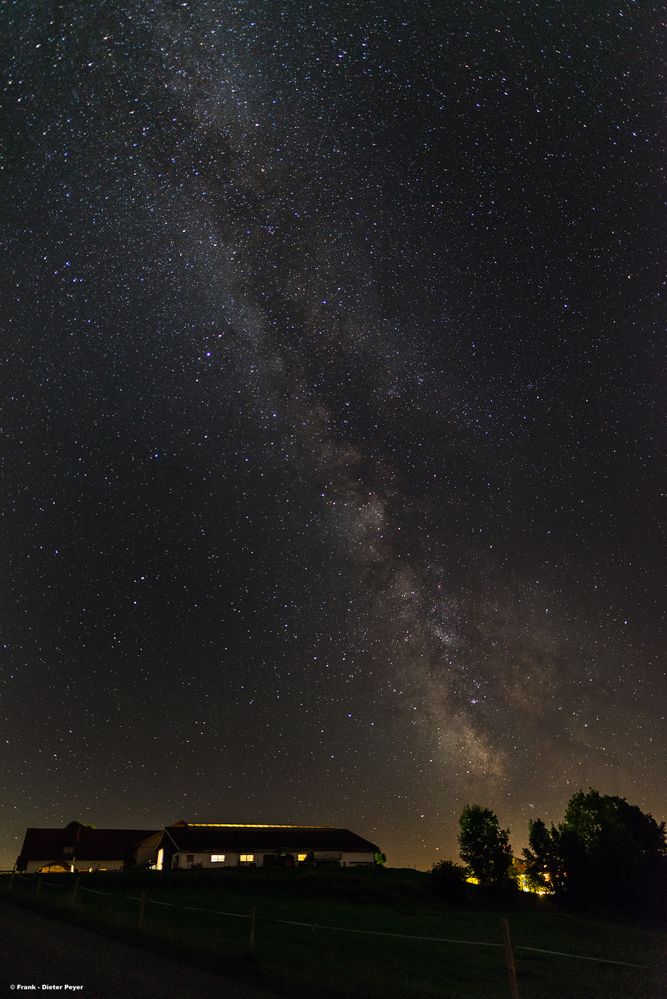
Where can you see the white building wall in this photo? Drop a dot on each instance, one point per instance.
(351, 859)
(204, 860)
(80, 865)
(347, 859)
(99, 865)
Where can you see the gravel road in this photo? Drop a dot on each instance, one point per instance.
(36, 950)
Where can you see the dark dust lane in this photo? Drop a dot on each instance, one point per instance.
(36, 950)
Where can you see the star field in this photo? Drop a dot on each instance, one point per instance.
(332, 437)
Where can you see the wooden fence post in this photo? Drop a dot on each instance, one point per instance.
(75, 893)
(509, 959)
(142, 906)
(39, 885)
(252, 936)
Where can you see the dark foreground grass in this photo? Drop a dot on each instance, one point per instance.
(320, 957)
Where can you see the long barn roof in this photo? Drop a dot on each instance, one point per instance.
(249, 837)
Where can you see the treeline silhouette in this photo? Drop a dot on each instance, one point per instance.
(605, 852)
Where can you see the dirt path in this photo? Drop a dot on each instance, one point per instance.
(36, 950)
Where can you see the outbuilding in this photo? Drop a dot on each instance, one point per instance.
(83, 848)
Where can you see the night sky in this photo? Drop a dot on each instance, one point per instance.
(332, 414)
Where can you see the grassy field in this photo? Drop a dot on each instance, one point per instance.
(322, 958)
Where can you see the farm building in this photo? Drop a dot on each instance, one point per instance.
(184, 845)
(83, 848)
(220, 844)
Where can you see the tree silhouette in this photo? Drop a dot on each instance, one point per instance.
(605, 851)
(484, 846)
(545, 869)
(612, 851)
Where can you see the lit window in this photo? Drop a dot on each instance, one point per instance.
(247, 858)
(217, 858)
(301, 857)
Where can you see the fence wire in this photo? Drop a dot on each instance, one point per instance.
(345, 929)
